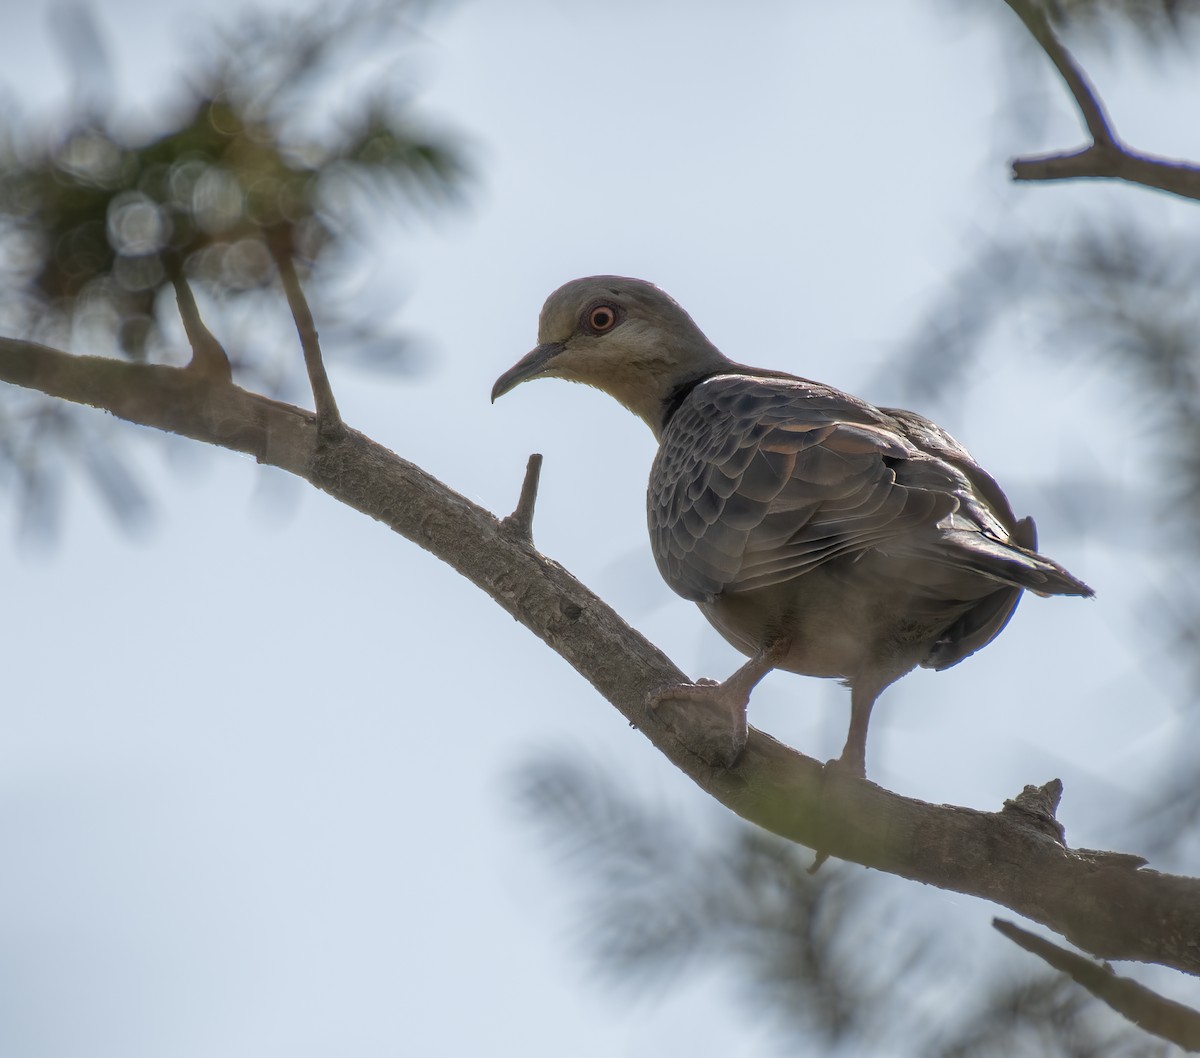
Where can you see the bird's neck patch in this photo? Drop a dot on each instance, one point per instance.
(673, 401)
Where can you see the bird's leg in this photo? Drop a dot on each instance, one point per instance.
(854, 754)
(862, 700)
(733, 694)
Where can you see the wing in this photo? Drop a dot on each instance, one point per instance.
(760, 480)
(982, 535)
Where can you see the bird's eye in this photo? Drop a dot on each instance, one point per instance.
(601, 318)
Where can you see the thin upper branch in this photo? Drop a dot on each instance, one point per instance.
(1106, 157)
(1156, 1014)
(1091, 108)
(1103, 904)
(328, 415)
(208, 354)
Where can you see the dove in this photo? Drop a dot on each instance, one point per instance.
(817, 533)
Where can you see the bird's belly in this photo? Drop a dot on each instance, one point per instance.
(821, 645)
(833, 630)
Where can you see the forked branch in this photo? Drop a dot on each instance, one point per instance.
(1106, 157)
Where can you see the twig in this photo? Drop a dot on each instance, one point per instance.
(1154, 1013)
(1100, 162)
(1106, 157)
(328, 417)
(521, 520)
(208, 355)
(1032, 14)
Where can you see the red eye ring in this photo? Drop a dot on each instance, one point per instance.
(601, 318)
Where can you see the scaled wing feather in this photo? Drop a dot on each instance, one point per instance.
(759, 481)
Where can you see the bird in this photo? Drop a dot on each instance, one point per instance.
(817, 533)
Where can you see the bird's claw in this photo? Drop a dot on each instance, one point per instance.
(702, 690)
(716, 734)
(848, 764)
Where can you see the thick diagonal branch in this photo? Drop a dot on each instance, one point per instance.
(1103, 904)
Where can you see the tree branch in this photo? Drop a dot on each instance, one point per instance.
(208, 354)
(1102, 903)
(1156, 1014)
(1101, 162)
(328, 416)
(1033, 15)
(1106, 158)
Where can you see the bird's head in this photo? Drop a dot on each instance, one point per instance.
(624, 336)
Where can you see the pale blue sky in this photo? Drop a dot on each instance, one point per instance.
(255, 769)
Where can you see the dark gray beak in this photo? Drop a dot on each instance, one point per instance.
(530, 365)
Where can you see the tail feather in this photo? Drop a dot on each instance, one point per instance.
(1006, 563)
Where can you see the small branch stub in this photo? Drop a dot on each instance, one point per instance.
(520, 522)
(1037, 806)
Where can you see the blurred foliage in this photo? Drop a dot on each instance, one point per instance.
(827, 956)
(1046, 1014)
(98, 225)
(39, 439)
(1119, 300)
(1118, 296)
(660, 902)
(100, 210)
(1155, 22)
(95, 218)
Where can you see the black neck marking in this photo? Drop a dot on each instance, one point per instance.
(674, 400)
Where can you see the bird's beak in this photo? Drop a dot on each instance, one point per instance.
(529, 366)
